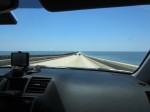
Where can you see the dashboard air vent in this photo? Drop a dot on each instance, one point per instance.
(148, 95)
(37, 85)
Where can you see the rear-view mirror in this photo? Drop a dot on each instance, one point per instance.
(8, 5)
(67, 5)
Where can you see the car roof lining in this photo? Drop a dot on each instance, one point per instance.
(68, 5)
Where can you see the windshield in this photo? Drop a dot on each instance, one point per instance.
(108, 38)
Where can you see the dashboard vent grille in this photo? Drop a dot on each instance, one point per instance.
(148, 95)
(37, 85)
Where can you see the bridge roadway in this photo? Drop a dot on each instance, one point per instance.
(76, 60)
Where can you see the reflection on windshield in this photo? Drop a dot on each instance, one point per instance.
(112, 39)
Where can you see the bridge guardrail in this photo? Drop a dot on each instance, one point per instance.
(114, 64)
(35, 58)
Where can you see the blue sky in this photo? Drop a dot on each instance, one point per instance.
(112, 29)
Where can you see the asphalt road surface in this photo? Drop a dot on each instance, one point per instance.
(71, 61)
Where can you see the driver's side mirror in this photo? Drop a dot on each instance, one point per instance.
(8, 5)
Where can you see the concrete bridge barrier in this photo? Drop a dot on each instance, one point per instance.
(113, 64)
(35, 58)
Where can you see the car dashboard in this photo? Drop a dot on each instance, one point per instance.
(72, 90)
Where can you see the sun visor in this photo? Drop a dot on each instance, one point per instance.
(7, 19)
(8, 5)
(67, 5)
